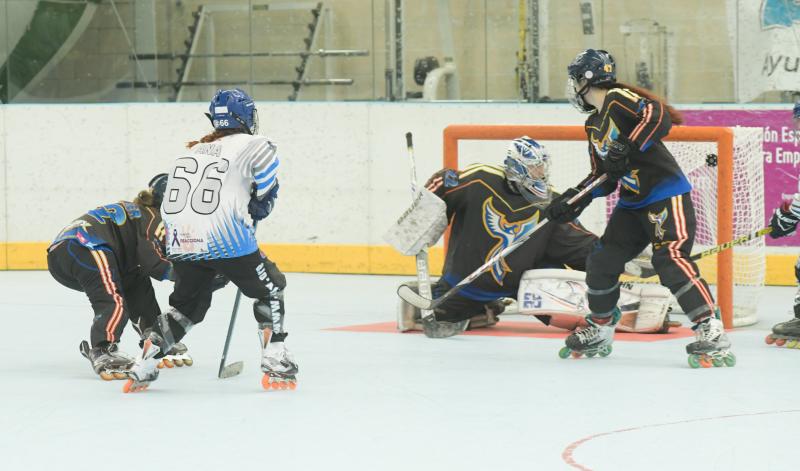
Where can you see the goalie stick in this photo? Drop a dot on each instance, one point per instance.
(422, 302)
(423, 275)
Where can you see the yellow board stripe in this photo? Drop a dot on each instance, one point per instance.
(357, 259)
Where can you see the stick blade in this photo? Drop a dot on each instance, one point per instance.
(231, 370)
(411, 297)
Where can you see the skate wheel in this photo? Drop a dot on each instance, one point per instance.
(694, 362)
(730, 360)
(178, 363)
(126, 388)
(265, 383)
(160, 365)
(188, 362)
(705, 362)
(780, 342)
(590, 354)
(791, 343)
(564, 352)
(577, 354)
(605, 352)
(168, 363)
(717, 362)
(770, 339)
(120, 375)
(292, 385)
(106, 376)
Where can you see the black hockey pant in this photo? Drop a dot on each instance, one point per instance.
(459, 308)
(254, 274)
(115, 297)
(670, 226)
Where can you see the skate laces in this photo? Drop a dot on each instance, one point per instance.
(708, 329)
(584, 335)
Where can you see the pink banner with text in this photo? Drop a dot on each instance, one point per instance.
(781, 153)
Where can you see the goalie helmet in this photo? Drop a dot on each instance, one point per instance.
(233, 109)
(589, 68)
(528, 169)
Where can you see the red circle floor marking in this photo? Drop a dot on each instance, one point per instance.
(566, 455)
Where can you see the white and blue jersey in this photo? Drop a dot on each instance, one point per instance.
(209, 187)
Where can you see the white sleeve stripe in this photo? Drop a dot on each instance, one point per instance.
(263, 162)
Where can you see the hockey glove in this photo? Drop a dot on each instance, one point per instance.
(445, 177)
(561, 212)
(783, 222)
(259, 208)
(617, 163)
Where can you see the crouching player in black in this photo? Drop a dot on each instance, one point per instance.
(110, 253)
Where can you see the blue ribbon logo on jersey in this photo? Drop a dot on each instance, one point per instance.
(779, 13)
(506, 232)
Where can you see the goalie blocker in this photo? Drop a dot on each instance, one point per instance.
(557, 298)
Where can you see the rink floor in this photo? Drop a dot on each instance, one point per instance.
(383, 400)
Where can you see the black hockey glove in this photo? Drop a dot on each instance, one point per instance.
(260, 208)
(783, 222)
(560, 211)
(617, 163)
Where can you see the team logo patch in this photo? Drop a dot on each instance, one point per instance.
(631, 181)
(601, 145)
(506, 232)
(659, 219)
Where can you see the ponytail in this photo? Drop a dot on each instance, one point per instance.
(675, 116)
(217, 134)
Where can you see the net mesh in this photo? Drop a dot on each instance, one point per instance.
(570, 164)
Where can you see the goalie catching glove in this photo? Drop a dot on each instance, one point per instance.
(785, 218)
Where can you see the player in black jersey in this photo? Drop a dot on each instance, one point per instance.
(624, 129)
(110, 253)
(488, 208)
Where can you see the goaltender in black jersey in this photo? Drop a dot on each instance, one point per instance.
(489, 207)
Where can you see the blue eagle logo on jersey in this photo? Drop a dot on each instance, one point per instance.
(631, 181)
(779, 13)
(658, 219)
(601, 145)
(506, 232)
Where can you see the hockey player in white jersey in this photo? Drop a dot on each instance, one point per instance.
(217, 189)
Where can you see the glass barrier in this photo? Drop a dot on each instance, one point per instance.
(480, 50)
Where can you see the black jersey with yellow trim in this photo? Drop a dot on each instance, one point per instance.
(133, 233)
(485, 216)
(655, 174)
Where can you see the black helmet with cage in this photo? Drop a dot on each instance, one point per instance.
(589, 68)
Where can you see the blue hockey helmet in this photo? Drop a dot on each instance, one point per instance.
(590, 67)
(528, 169)
(233, 109)
(158, 186)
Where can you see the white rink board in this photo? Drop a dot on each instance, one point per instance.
(344, 174)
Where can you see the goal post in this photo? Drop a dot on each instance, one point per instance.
(736, 150)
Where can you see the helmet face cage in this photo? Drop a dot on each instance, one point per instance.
(590, 67)
(528, 165)
(233, 109)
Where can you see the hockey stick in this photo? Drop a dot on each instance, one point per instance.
(411, 297)
(737, 241)
(227, 371)
(423, 276)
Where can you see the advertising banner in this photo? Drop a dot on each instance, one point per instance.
(781, 152)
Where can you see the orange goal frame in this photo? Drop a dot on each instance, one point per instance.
(722, 136)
